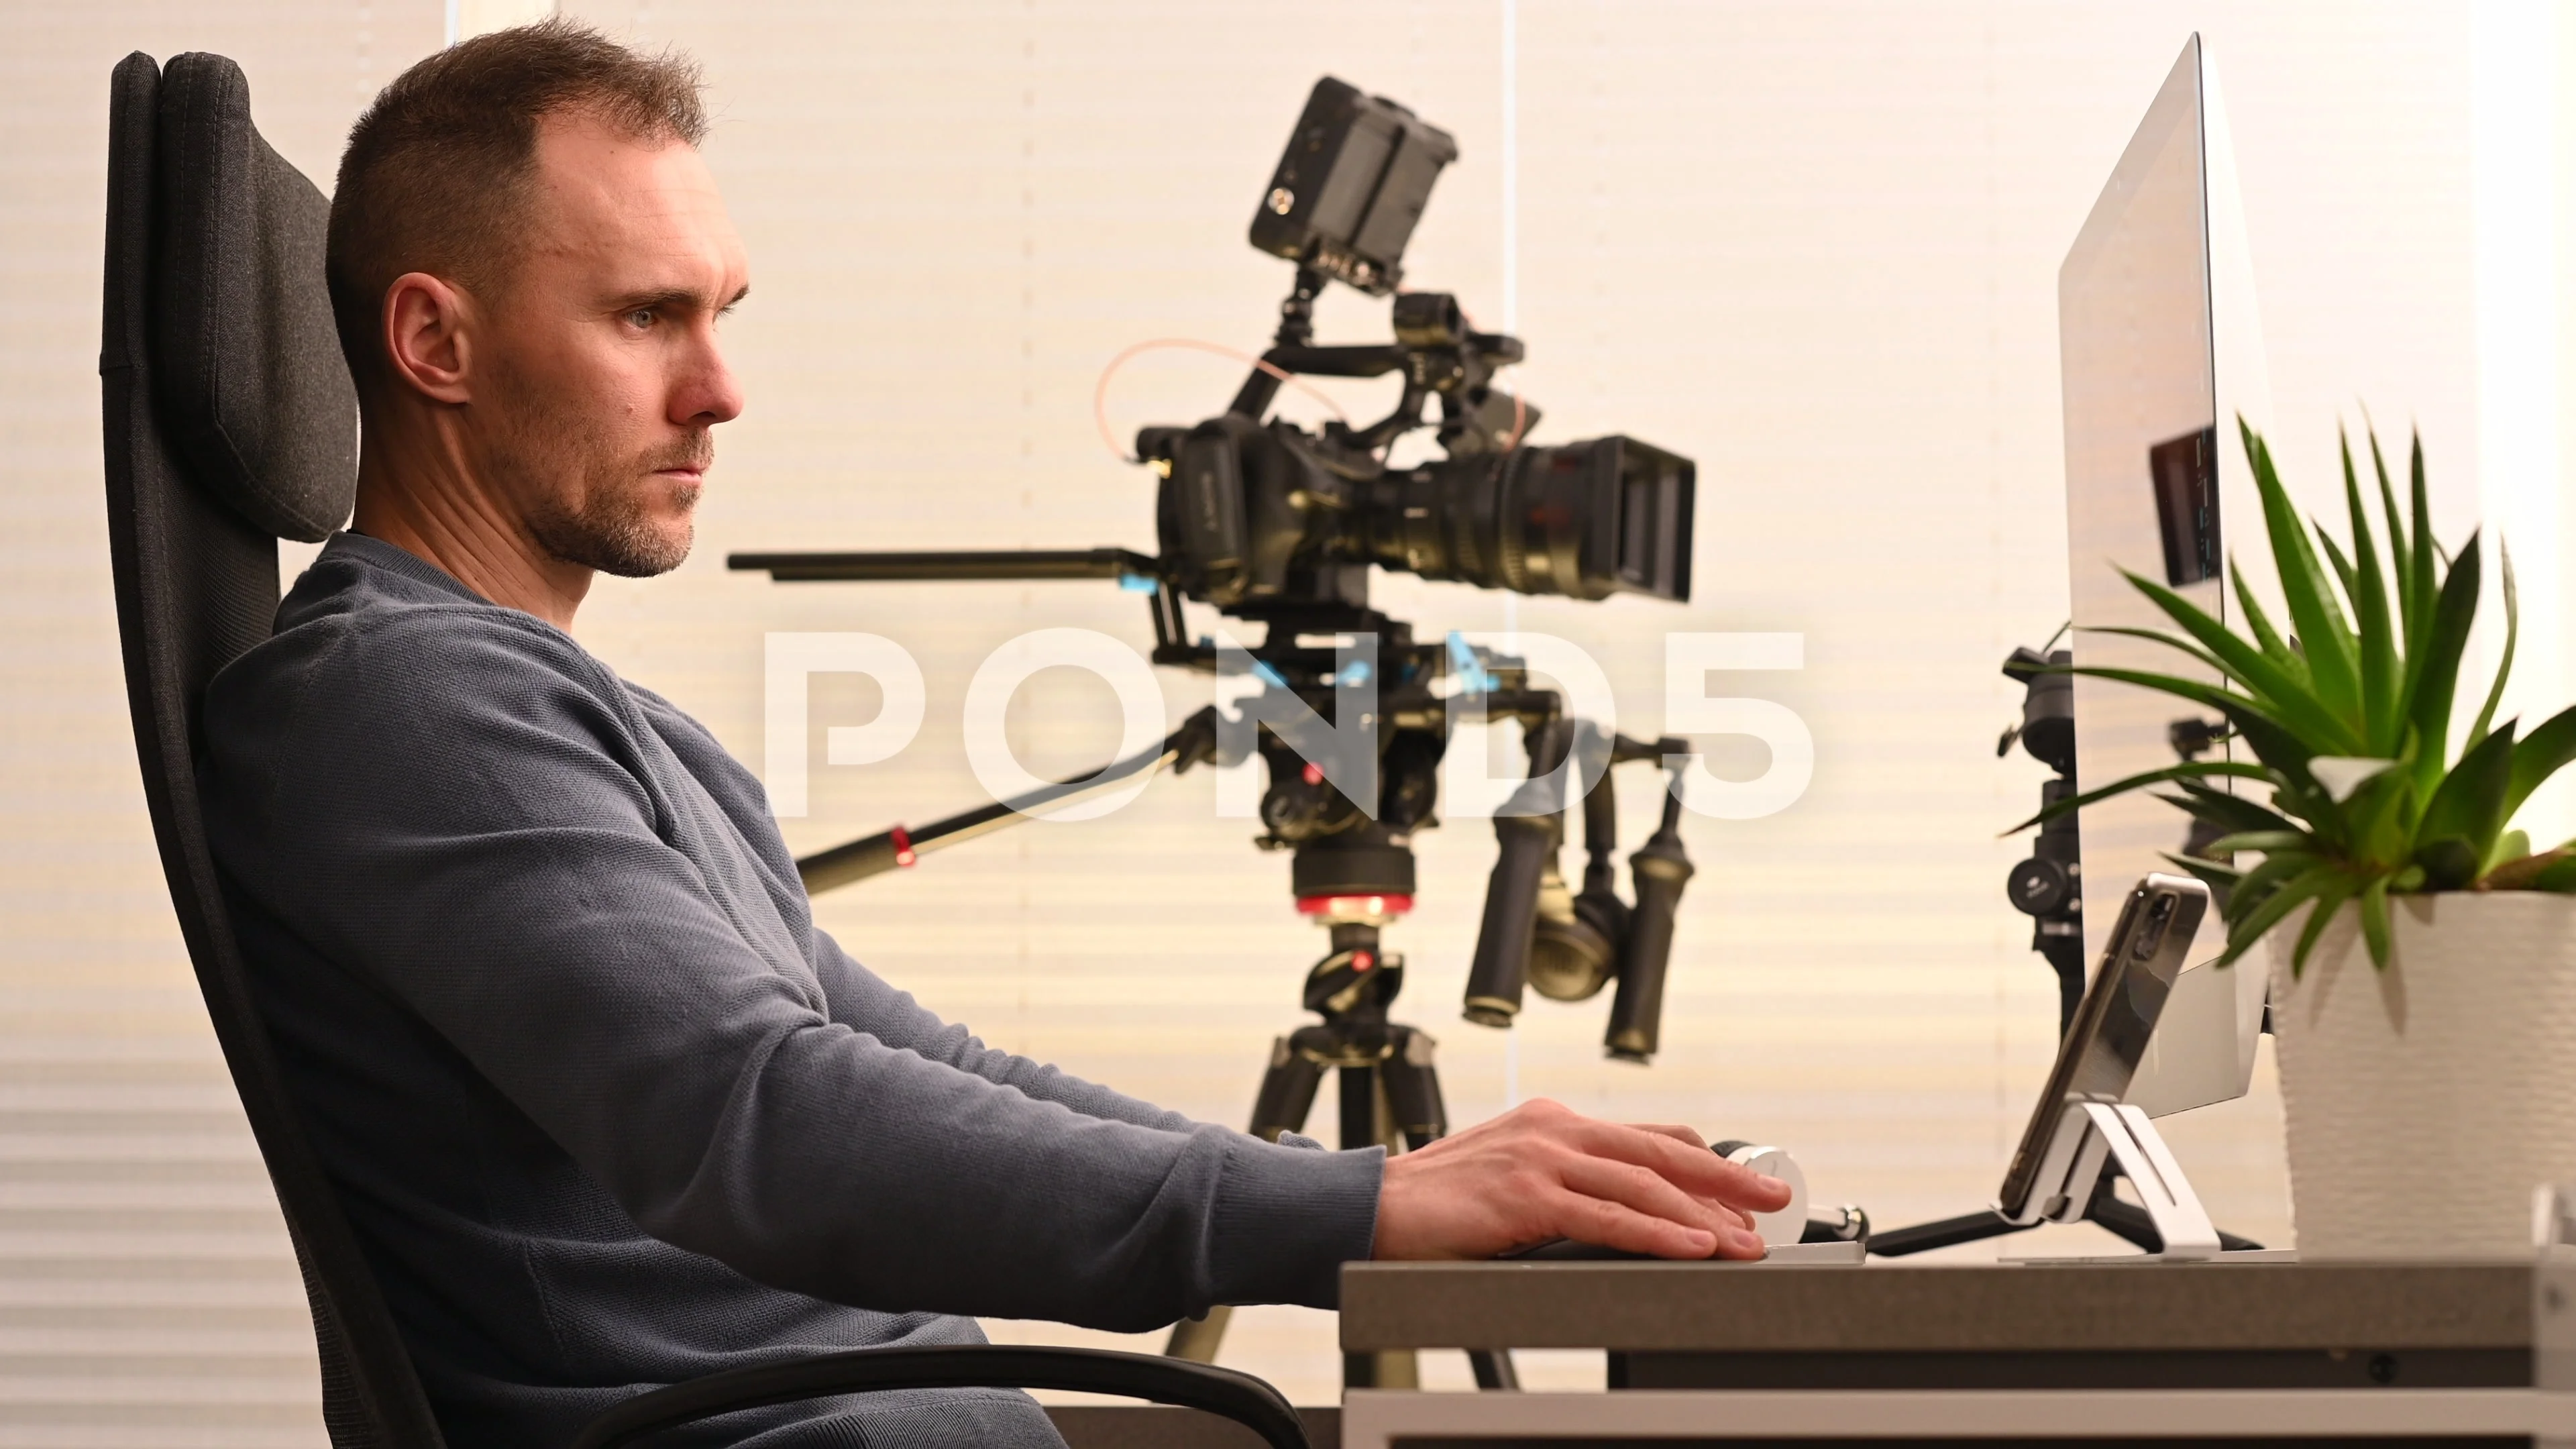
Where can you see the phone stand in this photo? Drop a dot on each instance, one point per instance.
(2092, 1135)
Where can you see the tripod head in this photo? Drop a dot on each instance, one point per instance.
(2049, 886)
(1353, 866)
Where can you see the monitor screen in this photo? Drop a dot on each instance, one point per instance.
(2150, 324)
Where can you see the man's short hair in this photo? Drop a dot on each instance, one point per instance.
(437, 177)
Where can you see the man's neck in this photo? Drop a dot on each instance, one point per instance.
(419, 492)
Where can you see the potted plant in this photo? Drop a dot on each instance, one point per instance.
(2423, 955)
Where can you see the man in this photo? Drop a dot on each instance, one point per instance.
(606, 1110)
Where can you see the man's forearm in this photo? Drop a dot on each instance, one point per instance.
(863, 1001)
(946, 1192)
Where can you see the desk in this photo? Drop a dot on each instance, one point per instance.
(2431, 1352)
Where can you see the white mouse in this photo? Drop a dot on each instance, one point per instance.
(1789, 1224)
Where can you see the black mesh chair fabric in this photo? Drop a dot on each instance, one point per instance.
(229, 423)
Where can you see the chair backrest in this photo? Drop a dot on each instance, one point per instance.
(230, 422)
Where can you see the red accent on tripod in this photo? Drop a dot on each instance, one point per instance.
(1355, 908)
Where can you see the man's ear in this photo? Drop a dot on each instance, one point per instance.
(426, 337)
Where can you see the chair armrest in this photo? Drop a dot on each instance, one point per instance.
(1237, 1396)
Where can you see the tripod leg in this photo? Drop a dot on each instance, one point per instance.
(1413, 1099)
(1394, 1368)
(1947, 1233)
(1198, 1339)
(1287, 1092)
(1359, 1109)
(1413, 1088)
(1368, 1122)
(1287, 1095)
(2126, 1221)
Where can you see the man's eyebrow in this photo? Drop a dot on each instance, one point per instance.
(735, 300)
(672, 297)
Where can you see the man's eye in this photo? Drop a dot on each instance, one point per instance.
(640, 319)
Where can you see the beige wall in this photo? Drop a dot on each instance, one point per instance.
(1813, 247)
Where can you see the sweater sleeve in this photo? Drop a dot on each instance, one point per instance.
(467, 816)
(863, 1001)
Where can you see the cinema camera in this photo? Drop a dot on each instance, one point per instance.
(1252, 512)
(1270, 522)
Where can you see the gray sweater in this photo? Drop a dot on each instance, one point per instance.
(606, 1110)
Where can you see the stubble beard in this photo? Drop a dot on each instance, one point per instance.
(607, 523)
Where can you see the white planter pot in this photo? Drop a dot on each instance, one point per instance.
(2425, 1102)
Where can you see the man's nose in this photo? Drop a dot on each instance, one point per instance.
(707, 391)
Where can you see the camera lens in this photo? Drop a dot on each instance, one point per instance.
(1585, 520)
(1249, 513)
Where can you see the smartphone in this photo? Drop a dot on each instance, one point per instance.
(2127, 993)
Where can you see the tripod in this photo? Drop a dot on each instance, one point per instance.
(1352, 872)
(1390, 1096)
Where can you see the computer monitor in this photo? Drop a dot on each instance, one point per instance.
(2160, 351)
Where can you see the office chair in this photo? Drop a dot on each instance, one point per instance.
(231, 422)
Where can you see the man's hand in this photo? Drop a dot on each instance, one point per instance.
(1543, 1171)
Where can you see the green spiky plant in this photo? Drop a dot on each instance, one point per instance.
(2348, 718)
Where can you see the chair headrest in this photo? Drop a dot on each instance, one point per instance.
(247, 366)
